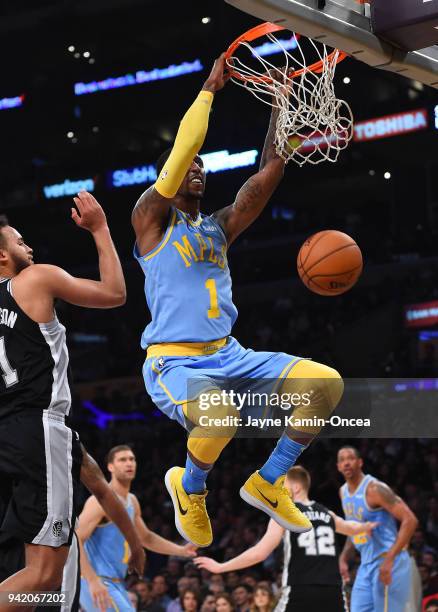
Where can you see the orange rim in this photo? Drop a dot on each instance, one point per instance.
(268, 28)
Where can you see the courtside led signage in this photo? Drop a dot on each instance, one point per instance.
(223, 160)
(218, 161)
(133, 176)
(421, 315)
(6, 103)
(139, 77)
(68, 188)
(391, 125)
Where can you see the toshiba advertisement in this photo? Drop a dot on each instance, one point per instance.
(421, 315)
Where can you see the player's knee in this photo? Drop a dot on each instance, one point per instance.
(320, 388)
(215, 413)
(330, 384)
(216, 424)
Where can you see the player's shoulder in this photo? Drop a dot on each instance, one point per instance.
(38, 272)
(317, 507)
(92, 505)
(373, 483)
(214, 223)
(133, 497)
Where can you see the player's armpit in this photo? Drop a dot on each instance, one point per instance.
(149, 219)
(89, 518)
(250, 200)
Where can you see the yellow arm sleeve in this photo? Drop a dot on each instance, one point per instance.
(188, 141)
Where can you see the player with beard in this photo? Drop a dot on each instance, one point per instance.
(383, 580)
(104, 550)
(40, 458)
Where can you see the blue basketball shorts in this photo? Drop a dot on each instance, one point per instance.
(173, 381)
(371, 595)
(117, 592)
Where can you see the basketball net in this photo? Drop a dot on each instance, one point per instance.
(313, 125)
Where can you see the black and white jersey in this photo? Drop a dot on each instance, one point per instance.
(312, 557)
(33, 361)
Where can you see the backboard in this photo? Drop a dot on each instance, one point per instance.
(346, 25)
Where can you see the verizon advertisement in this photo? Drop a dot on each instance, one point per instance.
(421, 315)
(391, 125)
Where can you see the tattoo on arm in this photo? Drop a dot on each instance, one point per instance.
(247, 197)
(387, 494)
(269, 151)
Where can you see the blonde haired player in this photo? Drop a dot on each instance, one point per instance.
(183, 255)
(311, 579)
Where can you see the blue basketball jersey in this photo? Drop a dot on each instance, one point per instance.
(355, 508)
(188, 283)
(107, 549)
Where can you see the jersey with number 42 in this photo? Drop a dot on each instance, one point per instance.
(188, 282)
(311, 558)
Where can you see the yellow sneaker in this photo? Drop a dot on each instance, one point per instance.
(275, 500)
(191, 517)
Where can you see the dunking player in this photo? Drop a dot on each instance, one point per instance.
(384, 577)
(104, 550)
(12, 550)
(40, 458)
(183, 255)
(311, 579)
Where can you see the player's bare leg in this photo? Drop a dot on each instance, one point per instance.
(43, 572)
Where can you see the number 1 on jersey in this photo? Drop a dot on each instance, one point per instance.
(213, 312)
(10, 375)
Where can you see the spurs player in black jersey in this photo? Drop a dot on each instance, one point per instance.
(12, 557)
(40, 456)
(311, 580)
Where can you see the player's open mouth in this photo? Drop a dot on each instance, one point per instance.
(196, 180)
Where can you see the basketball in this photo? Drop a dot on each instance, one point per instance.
(329, 262)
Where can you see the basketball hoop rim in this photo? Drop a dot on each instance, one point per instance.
(268, 28)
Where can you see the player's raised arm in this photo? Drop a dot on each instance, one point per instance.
(252, 556)
(258, 189)
(379, 495)
(150, 215)
(152, 541)
(45, 282)
(93, 478)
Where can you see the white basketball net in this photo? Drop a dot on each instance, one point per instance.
(313, 124)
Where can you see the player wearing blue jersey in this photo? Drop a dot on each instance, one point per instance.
(190, 352)
(104, 550)
(384, 577)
